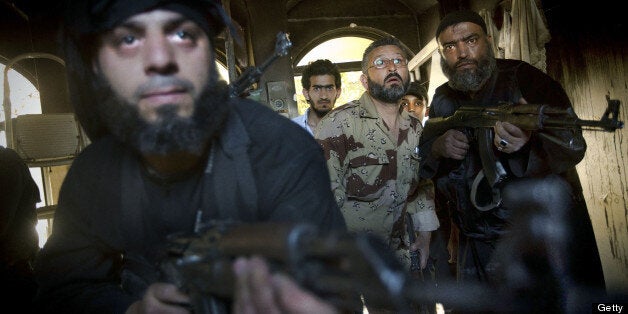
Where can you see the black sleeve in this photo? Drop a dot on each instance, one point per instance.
(291, 173)
(429, 165)
(78, 267)
(302, 192)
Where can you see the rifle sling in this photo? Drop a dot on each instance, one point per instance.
(492, 170)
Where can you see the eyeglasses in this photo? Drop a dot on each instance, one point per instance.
(381, 63)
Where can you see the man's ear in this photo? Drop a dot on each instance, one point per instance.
(339, 91)
(306, 94)
(364, 81)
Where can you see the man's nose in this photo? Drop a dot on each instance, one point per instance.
(159, 56)
(391, 66)
(462, 49)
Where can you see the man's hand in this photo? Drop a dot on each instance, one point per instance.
(453, 144)
(161, 298)
(422, 244)
(259, 291)
(509, 138)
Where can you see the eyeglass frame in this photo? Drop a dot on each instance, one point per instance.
(387, 61)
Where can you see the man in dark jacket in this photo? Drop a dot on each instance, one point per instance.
(540, 218)
(170, 152)
(19, 242)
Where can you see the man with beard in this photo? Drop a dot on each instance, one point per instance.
(170, 153)
(541, 185)
(370, 145)
(321, 88)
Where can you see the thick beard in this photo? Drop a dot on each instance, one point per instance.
(387, 95)
(470, 80)
(171, 133)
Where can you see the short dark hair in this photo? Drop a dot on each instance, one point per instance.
(320, 67)
(385, 41)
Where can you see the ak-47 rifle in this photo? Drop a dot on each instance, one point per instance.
(252, 74)
(338, 267)
(529, 117)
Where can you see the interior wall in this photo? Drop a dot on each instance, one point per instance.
(266, 18)
(588, 55)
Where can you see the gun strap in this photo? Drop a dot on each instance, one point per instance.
(492, 170)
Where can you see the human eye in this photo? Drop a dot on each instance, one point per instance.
(127, 40)
(329, 88)
(448, 47)
(124, 43)
(185, 32)
(379, 62)
(472, 40)
(182, 34)
(122, 37)
(316, 89)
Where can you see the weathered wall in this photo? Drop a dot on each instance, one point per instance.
(588, 55)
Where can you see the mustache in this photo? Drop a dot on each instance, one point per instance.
(391, 75)
(463, 61)
(160, 81)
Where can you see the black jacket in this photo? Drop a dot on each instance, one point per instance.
(112, 220)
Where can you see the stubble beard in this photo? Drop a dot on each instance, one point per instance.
(170, 133)
(318, 112)
(470, 80)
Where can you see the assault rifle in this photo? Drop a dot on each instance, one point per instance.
(252, 74)
(529, 117)
(338, 267)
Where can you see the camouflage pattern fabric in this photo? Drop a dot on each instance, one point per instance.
(372, 177)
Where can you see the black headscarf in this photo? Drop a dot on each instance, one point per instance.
(84, 20)
(95, 16)
(459, 17)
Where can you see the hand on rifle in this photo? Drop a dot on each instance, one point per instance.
(161, 298)
(452, 144)
(259, 291)
(509, 138)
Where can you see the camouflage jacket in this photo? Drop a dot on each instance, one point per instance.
(371, 176)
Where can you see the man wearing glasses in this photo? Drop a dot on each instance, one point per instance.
(321, 88)
(370, 146)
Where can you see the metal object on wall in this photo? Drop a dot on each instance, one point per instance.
(278, 97)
